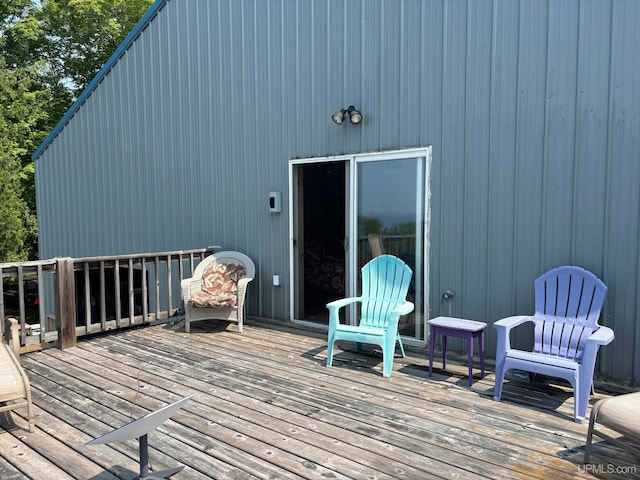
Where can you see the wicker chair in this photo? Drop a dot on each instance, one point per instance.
(217, 289)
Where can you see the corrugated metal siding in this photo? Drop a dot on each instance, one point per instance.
(532, 108)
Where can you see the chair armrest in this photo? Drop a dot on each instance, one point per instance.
(602, 336)
(404, 309)
(12, 336)
(242, 289)
(343, 302)
(510, 322)
(503, 328)
(335, 306)
(190, 285)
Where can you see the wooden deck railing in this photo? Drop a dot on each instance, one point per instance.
(58, 300)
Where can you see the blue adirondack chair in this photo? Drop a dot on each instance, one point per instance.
(568, 302)
(385, 282)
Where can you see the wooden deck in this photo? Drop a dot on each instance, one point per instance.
(265, 406)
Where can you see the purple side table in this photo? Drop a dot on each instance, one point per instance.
(459, 328)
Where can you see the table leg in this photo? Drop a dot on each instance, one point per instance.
(470, 357)
(444, 352)
(482, 354)
(432, 340)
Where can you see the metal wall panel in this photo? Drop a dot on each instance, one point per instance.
(532, 109)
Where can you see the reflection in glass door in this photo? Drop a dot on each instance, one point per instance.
(390, 211)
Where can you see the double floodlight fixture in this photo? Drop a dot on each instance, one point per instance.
(354, 115)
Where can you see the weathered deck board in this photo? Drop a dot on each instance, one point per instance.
(18, 455)
(265, 406)
(249, 417)
(379, 413)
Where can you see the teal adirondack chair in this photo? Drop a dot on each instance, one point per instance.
(385, 282)
(567, 336)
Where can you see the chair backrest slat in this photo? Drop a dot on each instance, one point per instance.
(385, 280)
(568, 302)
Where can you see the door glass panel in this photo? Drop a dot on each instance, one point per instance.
(390, 219)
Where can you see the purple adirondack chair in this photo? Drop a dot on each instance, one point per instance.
(568, 302)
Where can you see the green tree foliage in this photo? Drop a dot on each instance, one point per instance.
(370, 226)
(402, 228)
(12, 10)
(22, 113)
(83, 34)
(373, 226)
(49, 52)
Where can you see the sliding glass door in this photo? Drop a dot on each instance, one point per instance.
(384, 198)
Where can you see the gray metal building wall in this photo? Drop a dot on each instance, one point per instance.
(532, 108)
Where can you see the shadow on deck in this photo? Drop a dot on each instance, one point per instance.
(265, 406)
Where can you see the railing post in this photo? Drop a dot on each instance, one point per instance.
(66, 302)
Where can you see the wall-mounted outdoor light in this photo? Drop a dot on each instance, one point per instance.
(354, 115)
